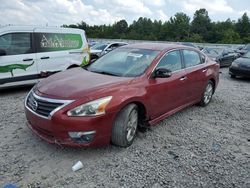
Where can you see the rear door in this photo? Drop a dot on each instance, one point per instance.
(167, 94)
(196, 71)
(18, 65)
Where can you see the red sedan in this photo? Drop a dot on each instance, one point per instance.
(135, 85)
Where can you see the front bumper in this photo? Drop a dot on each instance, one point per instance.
(56, 130)
(238, 71)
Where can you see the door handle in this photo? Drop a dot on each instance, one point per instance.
(204, 70)
(27, 59)
(183, 78)
(44, 57)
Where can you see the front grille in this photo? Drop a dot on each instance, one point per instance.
(41, 106)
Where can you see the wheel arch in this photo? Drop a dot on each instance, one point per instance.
(73, 66)
(143, 113)
(214, 84)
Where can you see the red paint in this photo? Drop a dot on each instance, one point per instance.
(161, 97)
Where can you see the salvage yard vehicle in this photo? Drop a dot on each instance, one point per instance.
(244, 49)
(135, 85)
(224, 56)
(30, 53)
(100, 49)
(241, 66)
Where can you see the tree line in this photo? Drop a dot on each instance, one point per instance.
(179, 28)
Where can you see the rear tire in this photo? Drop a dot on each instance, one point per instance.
(125, 126)
(208, 94)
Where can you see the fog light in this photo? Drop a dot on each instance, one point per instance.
(82, 137)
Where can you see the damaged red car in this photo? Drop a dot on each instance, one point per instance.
(135, 85)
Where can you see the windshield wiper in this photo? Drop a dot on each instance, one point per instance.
(103, 72)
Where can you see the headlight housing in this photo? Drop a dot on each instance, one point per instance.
(93, 108)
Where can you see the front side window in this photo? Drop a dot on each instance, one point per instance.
(191, 58)
(16, 43)
(171, 61)
(124, 62)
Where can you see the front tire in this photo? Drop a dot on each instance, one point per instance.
(208, 94)
(125, 126)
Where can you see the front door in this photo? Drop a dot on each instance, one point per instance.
(167, 94)
(17, 60)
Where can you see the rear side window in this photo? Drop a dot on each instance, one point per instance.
(16, 43)
(49, 42)
(171, 61)
(191, 58)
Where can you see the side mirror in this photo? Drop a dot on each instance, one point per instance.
(2, 52)
(162, 73)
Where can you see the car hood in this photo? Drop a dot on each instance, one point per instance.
(78, 83)
(243, 62)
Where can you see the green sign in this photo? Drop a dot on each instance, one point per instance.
(47, 42)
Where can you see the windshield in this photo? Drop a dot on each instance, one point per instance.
(124, 62)
(247, 55)
(99, 46)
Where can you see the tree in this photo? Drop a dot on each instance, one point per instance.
(194, 38)
(82, 25)
(230, 36)
(121, 26)
(243, 26)
(201, 24)
(179, 26)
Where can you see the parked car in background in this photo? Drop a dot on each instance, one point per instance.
(210, 52)
(243, 50)
(224, 56)
(92, 43)
(241, 66)
(137, 84)
(29, 53)
(227, 57)
(102, 48)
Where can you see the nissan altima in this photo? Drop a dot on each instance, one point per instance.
(135, 85)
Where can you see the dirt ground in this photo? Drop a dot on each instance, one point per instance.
(197, 147)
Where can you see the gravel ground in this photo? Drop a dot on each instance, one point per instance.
(197, 147)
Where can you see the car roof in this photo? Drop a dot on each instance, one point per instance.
(115, 43)
(156, 46)
(33, 27)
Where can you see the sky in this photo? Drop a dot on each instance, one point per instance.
(96, 12)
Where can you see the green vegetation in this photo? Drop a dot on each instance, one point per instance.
(177, 28)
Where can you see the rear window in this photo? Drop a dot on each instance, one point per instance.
(16, 43)
(191, 58)
(171, 61)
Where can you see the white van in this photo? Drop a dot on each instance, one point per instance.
(28, 53)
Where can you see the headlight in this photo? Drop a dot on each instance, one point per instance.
(93, 108)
